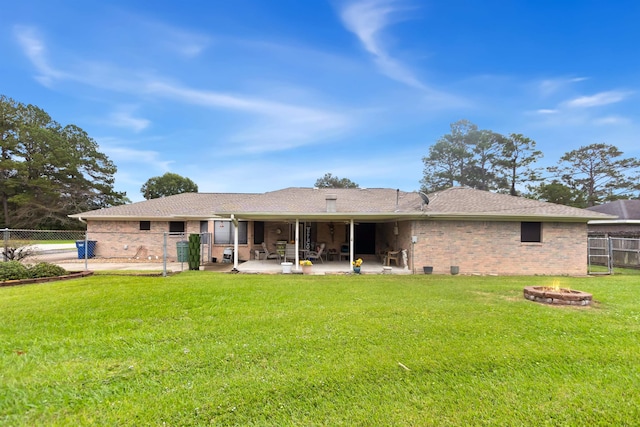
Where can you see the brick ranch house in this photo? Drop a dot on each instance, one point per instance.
(478, 231)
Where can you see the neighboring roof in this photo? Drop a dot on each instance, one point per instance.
(627, 211)
(359, 203)
(623, 209)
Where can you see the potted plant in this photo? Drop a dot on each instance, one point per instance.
(286, 267)
(306, 266)
(356, 265)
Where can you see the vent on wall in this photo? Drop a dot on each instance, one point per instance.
(331, 202)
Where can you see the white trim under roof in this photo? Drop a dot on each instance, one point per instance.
(613, 221)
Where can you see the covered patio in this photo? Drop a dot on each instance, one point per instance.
(319, 268)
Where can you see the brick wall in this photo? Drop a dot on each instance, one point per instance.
(124, 239)
(495, 248)
(474, 246)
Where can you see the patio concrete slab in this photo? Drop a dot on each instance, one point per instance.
(328, 267)
(68, 259)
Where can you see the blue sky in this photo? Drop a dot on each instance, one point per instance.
(258, 95)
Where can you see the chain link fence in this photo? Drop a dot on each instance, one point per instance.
(613, 252)
(79, 250)
(22, 244)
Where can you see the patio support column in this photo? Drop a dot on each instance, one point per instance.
(235, 242)
(297, 244)
(351, 239)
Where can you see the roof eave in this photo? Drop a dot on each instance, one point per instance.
(347, 216)
(324, 216)
(141, 218)
(502, 217)
(614, 221)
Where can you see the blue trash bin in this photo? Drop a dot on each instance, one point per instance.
(91, 245)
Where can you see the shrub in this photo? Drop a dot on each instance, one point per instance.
(13, 270)
(45, 269)
(16, 254)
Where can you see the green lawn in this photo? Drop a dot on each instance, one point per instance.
(202, 348)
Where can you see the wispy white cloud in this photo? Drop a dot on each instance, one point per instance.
(583, 110)
(577, 118)
(550, 87)
(279, 125)
(84, 71)
(125, 118)
(597, 100)
(612, 120)
(184, 43)
(34, 48)
(368, 19)
(117, 150)
(285, 125)
(99, 73)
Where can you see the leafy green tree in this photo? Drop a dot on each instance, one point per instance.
(480, 159)
(483, 172)
(599, 173)
(167, 185)
(516, 159)
(48, 171)
(330, 181)
(556, 192)
(9, 164)
(449, 159)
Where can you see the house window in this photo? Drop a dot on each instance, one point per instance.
(176, 227)
(258, 232)
(204, 232)
(531, 232)
(224, 230)
(145, 225)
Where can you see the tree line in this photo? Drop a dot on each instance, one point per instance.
(48, 170)
(486, 160)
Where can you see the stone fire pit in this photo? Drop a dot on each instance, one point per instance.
(558, 296)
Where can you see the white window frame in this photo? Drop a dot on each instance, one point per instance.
(223, 232)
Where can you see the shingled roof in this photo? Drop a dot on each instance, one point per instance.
(359, 203)
(623, 209)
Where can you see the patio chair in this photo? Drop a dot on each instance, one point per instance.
(269, 255)
(290, 252)
(344, 252)
(316, 255)
(259, 252)
(395, 256)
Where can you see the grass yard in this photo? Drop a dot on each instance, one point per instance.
(202, 348)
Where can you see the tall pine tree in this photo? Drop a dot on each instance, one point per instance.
(48, 171)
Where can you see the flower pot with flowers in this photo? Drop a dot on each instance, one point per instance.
(356, 265)
(306, 266)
